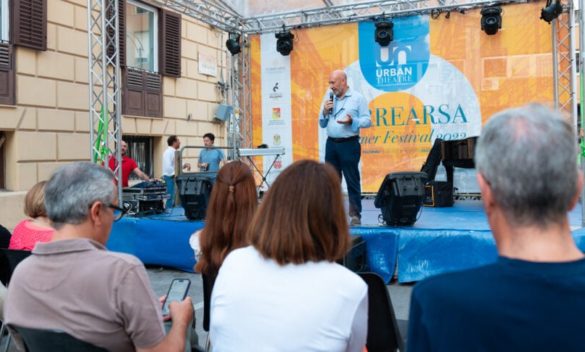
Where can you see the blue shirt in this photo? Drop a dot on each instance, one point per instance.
(511, 305)
(352, 103)
(212, 157)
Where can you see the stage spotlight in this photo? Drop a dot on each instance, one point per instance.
(384, 33)
(284, 43)
(491, 19)
(233, 43)
(551, 11)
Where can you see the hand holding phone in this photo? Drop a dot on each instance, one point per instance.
(177, 293)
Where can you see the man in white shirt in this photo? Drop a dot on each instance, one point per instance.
(168, 168)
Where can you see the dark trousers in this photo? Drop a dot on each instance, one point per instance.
(345, 157)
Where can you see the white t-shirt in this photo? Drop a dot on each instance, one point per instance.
(194, 243)
(258, 305)
(168, 162)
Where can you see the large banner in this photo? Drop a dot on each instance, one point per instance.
(440, 77)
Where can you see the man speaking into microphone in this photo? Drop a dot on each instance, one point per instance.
(343, 115)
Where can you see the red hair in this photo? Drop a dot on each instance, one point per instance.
(229, 213)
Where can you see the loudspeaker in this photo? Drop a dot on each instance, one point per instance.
(194, 191)
(223, 112)
(400, 197)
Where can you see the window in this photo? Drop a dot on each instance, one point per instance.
(140, 149)
(141, 36)
(23, 24)
(4, 18)
(150, 46)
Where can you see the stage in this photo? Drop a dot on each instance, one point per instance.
(442, 240)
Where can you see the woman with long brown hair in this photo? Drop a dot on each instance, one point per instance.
(285, 292)
(230, 210)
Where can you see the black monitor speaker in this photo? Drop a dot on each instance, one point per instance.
(194, 191)
(400, 197)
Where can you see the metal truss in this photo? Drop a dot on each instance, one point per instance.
(234, 130)
(246, 95)
(104, 84)
(219, 14)
(564, 62)
(213, 12)
(357, 12)
(240, 124)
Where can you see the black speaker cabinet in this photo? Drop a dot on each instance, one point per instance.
(400, 197)
(194, 191)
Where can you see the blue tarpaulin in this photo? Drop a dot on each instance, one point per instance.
(442, 240)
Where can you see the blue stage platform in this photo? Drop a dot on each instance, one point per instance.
(442, 240)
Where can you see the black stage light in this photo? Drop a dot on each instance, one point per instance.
(551, 11)
(491, 19)
(384, 32)
(284, 42)
(233, 43)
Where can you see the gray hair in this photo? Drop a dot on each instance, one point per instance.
(73, 188)
(528, 155)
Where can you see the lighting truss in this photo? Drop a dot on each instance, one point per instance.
(105, 84)
(219, 14)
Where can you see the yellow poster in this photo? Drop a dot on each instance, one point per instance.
(440, 77)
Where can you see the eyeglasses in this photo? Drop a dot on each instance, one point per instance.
(118, 212)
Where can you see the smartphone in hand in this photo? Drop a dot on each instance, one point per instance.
(177, 292)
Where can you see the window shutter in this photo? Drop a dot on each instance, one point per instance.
(7, 74)
(132, 92)
(170, 44)
(121, 31)
(152, 94)
(141, 93)
(29, 23)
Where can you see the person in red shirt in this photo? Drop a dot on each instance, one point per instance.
(128, 166)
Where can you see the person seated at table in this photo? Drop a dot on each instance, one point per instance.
(232, 205)
(285, 291)
(37, 228)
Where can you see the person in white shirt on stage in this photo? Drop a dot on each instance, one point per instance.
(168, 168)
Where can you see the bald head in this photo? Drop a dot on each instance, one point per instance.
(338, 83)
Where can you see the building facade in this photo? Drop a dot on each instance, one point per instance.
(44, 121)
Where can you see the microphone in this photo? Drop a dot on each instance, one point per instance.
(331, 98)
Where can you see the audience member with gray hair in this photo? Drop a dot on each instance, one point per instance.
(73, 284)
(532, 297)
